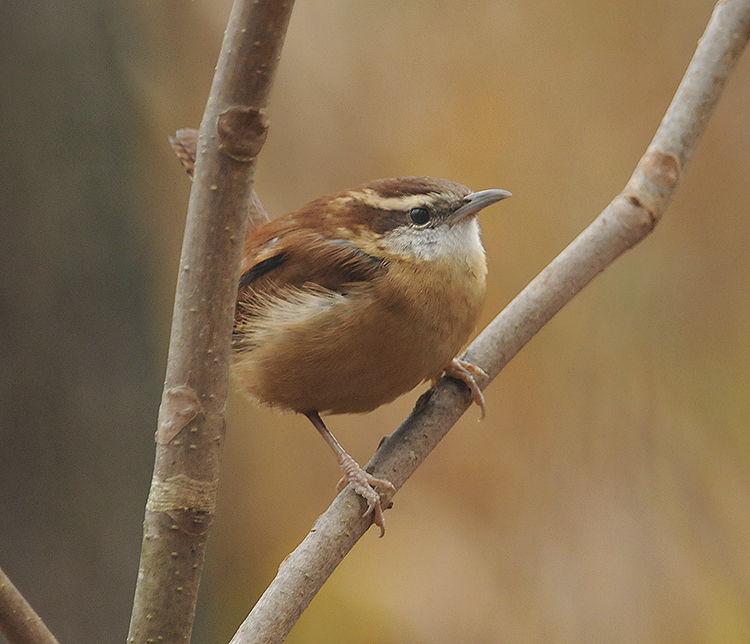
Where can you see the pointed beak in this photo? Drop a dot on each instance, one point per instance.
(474, 202)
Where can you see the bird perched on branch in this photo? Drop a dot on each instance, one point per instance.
(356, 298)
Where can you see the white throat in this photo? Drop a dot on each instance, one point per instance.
(460, 242)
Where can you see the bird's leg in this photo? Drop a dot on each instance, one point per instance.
(468, 373)
(361, 481)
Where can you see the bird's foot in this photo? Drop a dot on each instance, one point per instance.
(362, 482)
(468, 373)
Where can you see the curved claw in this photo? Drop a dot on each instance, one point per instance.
(362, 482)
(468, 373)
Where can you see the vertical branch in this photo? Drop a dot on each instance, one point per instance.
(190, 431)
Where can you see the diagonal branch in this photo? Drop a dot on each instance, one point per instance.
(19, 623)
(630, 217)
(190, 431)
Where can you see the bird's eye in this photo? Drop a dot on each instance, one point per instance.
(419, 216)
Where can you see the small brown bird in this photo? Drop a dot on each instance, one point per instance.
(356, 298)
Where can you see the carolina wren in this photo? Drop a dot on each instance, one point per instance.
(356, 298)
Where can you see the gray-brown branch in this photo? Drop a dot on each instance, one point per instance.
(630, 217)
(19, 623)
(190, 431)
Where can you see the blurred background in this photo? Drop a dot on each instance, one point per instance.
(606, 497)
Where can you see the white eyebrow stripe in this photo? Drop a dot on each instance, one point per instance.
(371, 198)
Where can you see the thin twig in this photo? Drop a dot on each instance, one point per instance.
(190, 430)
(630, 217)
(19, 623)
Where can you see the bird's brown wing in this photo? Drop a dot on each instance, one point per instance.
(303, 258)
(296, 261)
